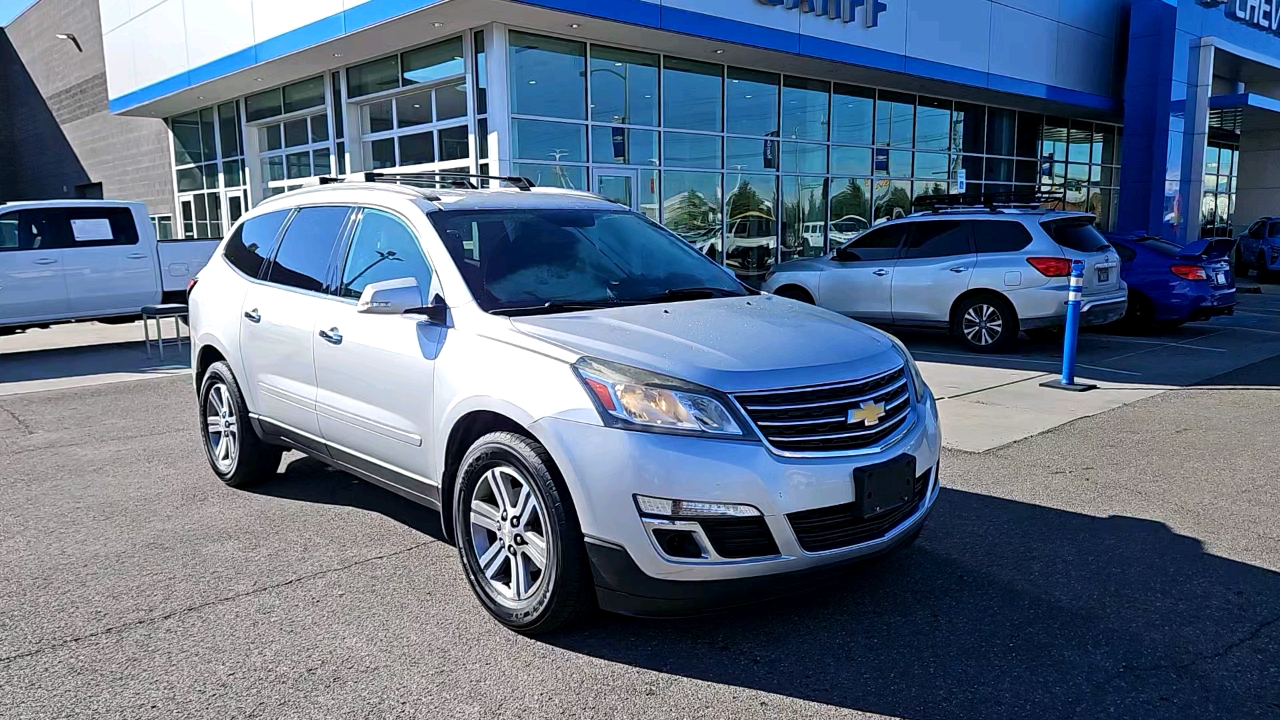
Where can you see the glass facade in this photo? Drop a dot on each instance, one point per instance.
(755, 168)
(1218, 203)
(209, 171)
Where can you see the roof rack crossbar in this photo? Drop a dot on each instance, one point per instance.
(994, 201)
(457, 180)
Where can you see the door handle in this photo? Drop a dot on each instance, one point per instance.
(46, 261)
(959, 269)
(253, 315)
(137, 256)
(880, 273)
(331, 336)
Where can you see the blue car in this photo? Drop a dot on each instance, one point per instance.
(1171, 284)
(1260, 249)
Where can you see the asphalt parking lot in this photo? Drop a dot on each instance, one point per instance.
(1123, 565)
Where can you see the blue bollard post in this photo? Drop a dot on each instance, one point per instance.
(1068, 379)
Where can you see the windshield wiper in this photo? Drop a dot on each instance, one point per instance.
(694, 293)
(555, 306)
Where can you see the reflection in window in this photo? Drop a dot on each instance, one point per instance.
(690, 150)
(751, 100)
(804, 108)
(543, 140)
(850, 160)
(624, 87)
(804, 158)
(624, 146)
(1001, 125)
(692, 95)
(569, 177)
(747, 155)
(850, 208)
(804, 217)
(752, 241)
(895, 119)
(852, 114)
(547, 77)
(969, 128)
(892, 200)
(691, 209)
(933, 124)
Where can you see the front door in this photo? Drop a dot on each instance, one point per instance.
(619, 185)
(375, 373)
(32, 286)
(858, 279)
(934, 270)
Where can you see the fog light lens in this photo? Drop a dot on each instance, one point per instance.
(678, 543)
(692, 508)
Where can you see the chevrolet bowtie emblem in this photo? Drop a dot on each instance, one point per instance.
(869, 413)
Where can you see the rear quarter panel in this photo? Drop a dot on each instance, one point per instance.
(215, 307)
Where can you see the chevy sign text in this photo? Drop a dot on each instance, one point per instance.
(1261, 14)
(844, 10)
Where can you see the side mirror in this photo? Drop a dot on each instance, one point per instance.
(390, 297)
(436, 313)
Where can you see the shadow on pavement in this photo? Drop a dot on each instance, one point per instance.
(125, 357)
(1002, 610)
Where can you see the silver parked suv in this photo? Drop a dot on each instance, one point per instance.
(983, 274)
(601, 413)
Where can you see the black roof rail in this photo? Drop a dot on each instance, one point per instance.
(991, 201)
(460, 181)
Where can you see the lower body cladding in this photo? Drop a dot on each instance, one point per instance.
(1046, 307)
(813, 517)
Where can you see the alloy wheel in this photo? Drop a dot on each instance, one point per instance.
(982, 324)
(509, 535)
(222, 427)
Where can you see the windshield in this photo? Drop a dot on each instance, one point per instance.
(1077, 234)
(551, 260)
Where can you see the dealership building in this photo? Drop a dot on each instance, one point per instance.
(775, 125)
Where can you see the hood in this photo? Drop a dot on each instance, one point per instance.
(730, 344)
(1211, 249)
(814, 264)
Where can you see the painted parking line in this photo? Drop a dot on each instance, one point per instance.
(1163, 344)
(1050, 363)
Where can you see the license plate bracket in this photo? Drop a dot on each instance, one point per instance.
(1104, 275)
(885, 486)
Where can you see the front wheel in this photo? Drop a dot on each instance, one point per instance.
(986, 324)
(518, 536)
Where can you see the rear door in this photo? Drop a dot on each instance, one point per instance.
(1001, 263)
(110, 267)
(858, 281)
(934, 270)
(279, 319)
(32, 286)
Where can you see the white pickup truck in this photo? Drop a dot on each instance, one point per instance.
(65, 260)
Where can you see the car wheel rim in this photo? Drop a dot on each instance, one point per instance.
(222, 428)
(982, 324)
(509, 538)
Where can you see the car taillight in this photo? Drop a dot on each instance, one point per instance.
(1051, 266)
(1190, 272)
(191, 285)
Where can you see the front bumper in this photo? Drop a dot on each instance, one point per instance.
(605, 468)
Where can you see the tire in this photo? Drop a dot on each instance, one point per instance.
(794, 292)
(1264, 273)
(1240, 266)
(500, 537)
(235, 452)
(986, 324)
(1139, 316)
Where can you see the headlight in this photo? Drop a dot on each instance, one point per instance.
(917, 381)
(637, 399)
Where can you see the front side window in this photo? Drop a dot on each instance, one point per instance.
(31, 230)
(383, 248)
(253, 243)
(549, 260)
(306, 249)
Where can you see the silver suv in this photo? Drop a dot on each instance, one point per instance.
(602, 414)
(983, 274)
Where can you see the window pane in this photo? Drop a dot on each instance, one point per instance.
(190, 179)
(933, 166)
(852, 114)
(805, 108)
(306, 248)
(571, 177)
(418, 149)
(850, 208)
(925, 188)
(319, 128)
(296, 133)
(373, 77)
(850, 160)
(1080, 141)
(1027, 171)
(376, 117)
(339, 131)
(210, 176)
(804, 158)
(253, 242)
(1211, 160)
(186, 139)
(691, 95)
(547, 77)
(273, 168)
(751, 100)
(626, 146)
(455, 143)
(481, 74)
(297, 165)
(432, 63)
(691, 209)
(895, 119)
(688, 150)
(899, 163)
(321, 163)
(624, 87)
(1108, 144)
(998, 170)
(383, 248)
(541, 140)
(380, 154)
(969, 129)
(893, 199)
(938, 238)
(202, 212)
(933, 124)
(1028, 142)
(743, 154)
(208, 134)
(229, 129)
(342, 158)
(451, 101)
(304, 95)
(482, 138)
(235, 207)
(752, 240)
(649, 198)
(263, 105)
(412, 109)
(804, 217)
(269, 138)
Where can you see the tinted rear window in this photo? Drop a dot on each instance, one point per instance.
(1164, 247)
(1000, 236)
(1076, 234)
(254, 241)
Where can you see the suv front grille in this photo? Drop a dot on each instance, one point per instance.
(841, 526)
(736, 538)
(818, 418)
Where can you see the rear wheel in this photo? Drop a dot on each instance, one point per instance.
(1264, 274)
(794, 292)
(235, 452)
(986, 324)
(1140, 315)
